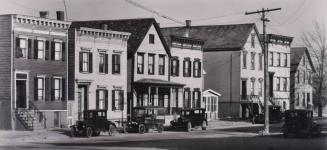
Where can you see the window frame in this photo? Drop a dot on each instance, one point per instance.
(118, 102)
(140, 65)
(59, 86)
(277, 83)
(116, 63)
(197, 71)
(38, 49)
(271, 59)
(86, 61)
(151, 64)
(161, 67)
(102, 56)
(253, 60)
(151, 39)
(175, 67)
(244, 59)
(57, 51)
(42, 88)
(26, 49)
(187, 70)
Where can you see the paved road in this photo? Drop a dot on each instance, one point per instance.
(232, 138)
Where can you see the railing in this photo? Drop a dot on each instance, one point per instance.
(40, 115)
(26, 120)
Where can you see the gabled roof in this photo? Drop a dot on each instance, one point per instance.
(137, 27)
(217, 37)
(212, 92)
(297, 54)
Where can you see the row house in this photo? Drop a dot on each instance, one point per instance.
(302, 70)
(97, 72)
(33, 60)
(233, 62)
(279, 53)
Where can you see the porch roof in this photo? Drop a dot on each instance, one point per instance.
(158, 82)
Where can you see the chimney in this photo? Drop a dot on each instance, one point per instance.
(188, 26)
(60, 15)
(104, 26)
(44, 14)
(188, 23)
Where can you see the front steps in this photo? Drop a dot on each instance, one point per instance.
(30, 119)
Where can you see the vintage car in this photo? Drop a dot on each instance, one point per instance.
(299, 122)
(190, 118)
(145, 118)
(94, 121)
(275, 116)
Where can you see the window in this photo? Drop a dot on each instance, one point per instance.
(196, 98)
(284, 105)
(260, 61)
(151, 64)
(187, 98)
(278, 84)
(40, 83)
(298, 76)
(260, 88)
(308, 98)
(303, 61)
(57, 88)
(297, 99)
(304, 76)
(197, 68)
(57, 51)
(252, 40)
(161, 64)
(140, 63)
(117, 100)
(252, 86)
(102, 99)
(271, 59)
(244, 59)
(187, 67)
(40, 49)
(103, 63)
(151, 38)
(174, 67)
(21, 48)
(309, 78)
(85, 62)
(285, 60)
(252, 60)
(303, 99)
(278, 59)
(116, 64)
(285, 84)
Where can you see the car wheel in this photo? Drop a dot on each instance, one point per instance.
(204, 125)
(72, 132)
(142, 128)
(189, 127)
(89, 132)
(111, 130)
(160, 128)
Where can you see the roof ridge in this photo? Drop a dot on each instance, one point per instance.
(214, 25)
(151, 18)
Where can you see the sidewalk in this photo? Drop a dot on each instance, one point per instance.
(223, 124)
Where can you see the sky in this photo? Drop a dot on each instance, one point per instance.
(295, 17)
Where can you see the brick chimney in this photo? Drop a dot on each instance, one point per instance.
(104, 26)
(60, 15)
(187, 28)
(44, 14)
(188, 23)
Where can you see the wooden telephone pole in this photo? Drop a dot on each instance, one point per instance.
(265, 52)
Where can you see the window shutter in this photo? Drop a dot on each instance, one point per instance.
(52, 50)
(193, 99)
(35, 49)
(118, 62)
(106, 99)
(177, 70)
(194, 74)
(90, 63)
(190, 68)
(80, 61)
(47, 48)
(35, 89)
(184, 73)
(18, 53)
(113, 64)
(52, 89)
(121, 100)
(29, 50)
(97, 98)
(200, 69)
(113, 100)
(46, 89)
(63, 51)
(106, 65)
(63, 92)
(171, 67)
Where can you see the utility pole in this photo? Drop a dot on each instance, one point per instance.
(265, 52)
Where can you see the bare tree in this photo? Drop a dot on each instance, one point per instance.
(316, 42)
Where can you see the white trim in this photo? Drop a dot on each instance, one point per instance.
(27, 87)
(212, 91)
(23, 30)
(58, 33)
(41, 32)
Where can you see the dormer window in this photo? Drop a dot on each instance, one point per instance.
(151, 38)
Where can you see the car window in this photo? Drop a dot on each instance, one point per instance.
(197, 112)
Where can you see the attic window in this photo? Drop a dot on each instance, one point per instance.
(151, 38)
(252, 40)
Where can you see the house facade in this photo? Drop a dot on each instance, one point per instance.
(211, 100)
(279, 63)
(33, 83)
(97, 72)
(302, 70)
(233, 63)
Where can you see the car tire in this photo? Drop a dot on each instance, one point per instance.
(141, 128)
(189, 127)
(89, 132)
(111, 130)
(72, 132)
(160, 128)
(204, 125)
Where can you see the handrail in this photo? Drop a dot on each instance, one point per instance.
(41, 117)
(28, 116)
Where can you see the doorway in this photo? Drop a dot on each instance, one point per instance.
(82, 100)
(244, 90)
(21, 99)
(271, 84)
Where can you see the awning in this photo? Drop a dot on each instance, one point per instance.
(157, 82)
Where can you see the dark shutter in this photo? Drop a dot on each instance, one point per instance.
(35, 49)
(47, 48)
(63, 51)
(106, 65)
(118, 63)
(172, 67)
(106, 99)
(194, 74)
(63, 92)
(184, 73)
(121, 100)
(80, 62)
(35, 89)
(47, 89)
(190, 68)
(200, 69)
(52, 89)
(90, 63)
(29, 50)
(113, 64)
(199, 98)
(52, 50)
(193, 99)
(113, 100)
(97, 98)
(18, 52)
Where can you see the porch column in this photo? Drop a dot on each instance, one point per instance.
(149, 95)
(169, 101)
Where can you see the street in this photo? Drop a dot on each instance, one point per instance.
(243, 136)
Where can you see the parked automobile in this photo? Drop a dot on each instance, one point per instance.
(275, 115)
(190, 118)
(145, 118)
(94, 122)
(300, 122)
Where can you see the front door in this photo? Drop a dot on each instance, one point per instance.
(56, 119)
(21, 94)
(82, 100)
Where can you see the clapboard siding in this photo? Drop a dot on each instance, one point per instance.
(5, 72)
(71, 64)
